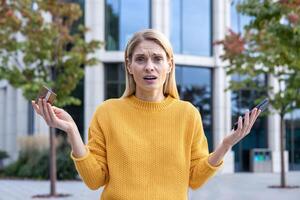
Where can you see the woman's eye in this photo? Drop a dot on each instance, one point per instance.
(140, 59)
(158, 58)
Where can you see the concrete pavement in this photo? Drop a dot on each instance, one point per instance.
(245, 186)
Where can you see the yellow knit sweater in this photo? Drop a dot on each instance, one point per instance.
(145, 151)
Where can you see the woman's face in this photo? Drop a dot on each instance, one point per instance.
(149, 66)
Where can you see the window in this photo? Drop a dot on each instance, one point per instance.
(241, 101)
(238, 21)
(194, 84)
(122, 19)
(191, 27)
(293, 138)
(115, 80)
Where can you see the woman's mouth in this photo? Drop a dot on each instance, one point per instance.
(150, 78)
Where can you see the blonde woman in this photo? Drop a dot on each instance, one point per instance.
(148, 144)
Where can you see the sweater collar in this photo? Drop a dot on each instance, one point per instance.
(148, 105)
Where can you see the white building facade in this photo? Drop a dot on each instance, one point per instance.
(191, 26)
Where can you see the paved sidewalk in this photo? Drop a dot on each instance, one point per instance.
(238, 186)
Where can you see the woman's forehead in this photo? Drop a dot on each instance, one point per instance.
(146, 47)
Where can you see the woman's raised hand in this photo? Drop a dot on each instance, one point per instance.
(243, 128)
(54, 117)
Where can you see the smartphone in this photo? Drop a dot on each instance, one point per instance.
(46, 93)
(261, 106)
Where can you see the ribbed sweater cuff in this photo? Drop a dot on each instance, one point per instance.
(81, 158)
(214, 168)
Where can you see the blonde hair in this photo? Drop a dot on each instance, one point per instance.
(157, 37)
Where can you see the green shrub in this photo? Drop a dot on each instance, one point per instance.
(3, 155)
(35, 164)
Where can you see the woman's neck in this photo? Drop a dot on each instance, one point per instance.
(150, 96)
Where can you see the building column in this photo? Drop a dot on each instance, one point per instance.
(2, 117)
(160, 14)
(221, 99)
(274, 132)
(11, 123)
(94, 75)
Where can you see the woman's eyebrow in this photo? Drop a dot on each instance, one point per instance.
(157, 54)
(139, 54)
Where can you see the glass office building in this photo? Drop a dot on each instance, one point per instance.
(191, 26)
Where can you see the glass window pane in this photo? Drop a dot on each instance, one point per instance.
(196, 33)
(195, 85)
(134, 16)
(241, 100)
(115, 80)
(176, 25)
(293, 138)
(112, 72)
(191, 27)
(112, 24)
(238, 21)
(122, 19)
(112, 90)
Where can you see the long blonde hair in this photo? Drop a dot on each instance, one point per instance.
(157, 37)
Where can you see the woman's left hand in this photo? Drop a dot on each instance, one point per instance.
(243, 129)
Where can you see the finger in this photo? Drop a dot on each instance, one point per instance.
(35, 107)
(56, 109)
(51, 112)
(40, 104)
(246, 123)
(253, 117)
(256, 115)
(46, 113)
(240, 124)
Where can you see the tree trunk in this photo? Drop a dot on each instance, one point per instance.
(52, 162)
(282, 148)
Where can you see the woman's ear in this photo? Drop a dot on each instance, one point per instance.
(128, 66)
(170, 63)
(129, 70)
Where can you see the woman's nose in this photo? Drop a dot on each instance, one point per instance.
(149, 65)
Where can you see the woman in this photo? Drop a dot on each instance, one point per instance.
(147, 144)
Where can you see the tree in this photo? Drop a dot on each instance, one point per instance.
(39, 46)
(269, 45)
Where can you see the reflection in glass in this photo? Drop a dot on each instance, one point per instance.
(115, 80)
(194, 85)
(191, 27)
(293, 138)
(122, 19)
(238, 21)
(241, 101)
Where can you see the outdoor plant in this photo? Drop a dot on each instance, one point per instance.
(269, 46)
(3, 155)
(37, 166)
(42, 43)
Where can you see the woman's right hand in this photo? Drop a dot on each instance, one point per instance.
(54, 117)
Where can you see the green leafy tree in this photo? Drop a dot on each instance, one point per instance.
(40, 46)
(269, 45)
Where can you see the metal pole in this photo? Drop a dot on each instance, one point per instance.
(52, 162)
